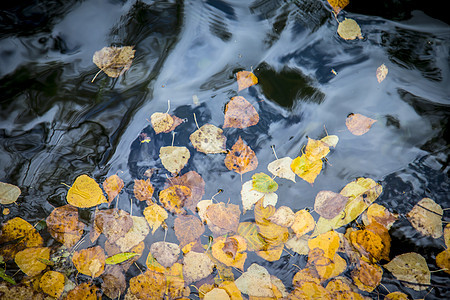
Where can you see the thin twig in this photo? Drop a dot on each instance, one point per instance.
(96, 75)
(168, 106)
(195, 120)
(273, 150)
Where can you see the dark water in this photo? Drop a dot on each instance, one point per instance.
(56, 125)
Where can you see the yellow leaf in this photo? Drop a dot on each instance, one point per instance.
(155, 216)
(330, 140)
(272, 253)
(255, 282)
(174, 158)
(161, 122)
(174, 197)
(84, 291)
(245, 79)
(358, 124)
(316, 149)
(114, 61)
(443, 260)
(231, 289)
(367, 276)
(328, 242)
(412, 268)
(380, 214)
(303, 222)
(396, 296)
(382, 72)
(90, 261)
(272, 233)
(310, 290)
(349, 29)
(306, 169)
(338, 5)
(52, 283)
(28, 260)
(236, 256)
(85, 192)
(209, 139)
(112, 186)
(426, 217)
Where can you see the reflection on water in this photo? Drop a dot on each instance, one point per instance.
(55, 124)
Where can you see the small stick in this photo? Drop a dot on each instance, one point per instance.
(273, 150)
(96, 75)
(173, 137)
(195, 120)
(168, 106)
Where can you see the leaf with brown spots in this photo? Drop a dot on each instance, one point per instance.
(272, 233)
(85, 291)
(143, 190)
(113, 223)
(148, 285)
(367, 276)
(239, 113)
(174, 158)
(329, 204)
(114, 61)
(338, 5)
(194, 182)
(174, 197)
(230, 251)
(64, 226)
(241, 158)
(188, 229)
(209, 139)
(223, 218)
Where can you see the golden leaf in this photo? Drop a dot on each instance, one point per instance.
(114, 61)
(411, 267)
(239, 113)
(148, 285)
(328, 242)
(90, 261)
(396, 296)
(303, 223)
(155, 216)
(245, 79)
(272, 233)
(349, 29)
(174, 158)
(310, 290)
(380, 214)
(143, 190)
(85, 192)
(443, 260)
(194, 182)
(315, 149)
(426, 217)
(234, 258)
(338, 5)
(112, 186)
(52, 283)
(161, 122)
(306, 169)
(174, 197)
(358, 124)
(209, 139)
(223, 218)
(28, 260)
(85, 291)
(367, 276)
(241, 158)
(64, 226)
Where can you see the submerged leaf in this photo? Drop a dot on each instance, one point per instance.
(52, 283)
(64, 226)
(29, 262)
(239, 113)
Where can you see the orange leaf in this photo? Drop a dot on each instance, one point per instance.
(239, 113)
(188, 229)
(221, 251)
(143, 190)
(367, 276)
(241, 158)
(338, 5)
(173, 198)
(84, 291)
(64, 226)
(195, 182)
(90, 261)
(224, 218)
(148, 285)
(112, 186)
(245, 79)
(358, 124)
(85, 192)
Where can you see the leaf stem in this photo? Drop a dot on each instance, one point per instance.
(96, 75)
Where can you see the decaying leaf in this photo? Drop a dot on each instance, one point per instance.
(188, 229)
(223, 218)
(379, 214)
(52, 283)
(447, 235)
(382, 72)
(239, 113)
(426, 217)
(284, 216)
(114, 61)
(396, 296)
(174, 158)
(113, 223)
(85, 290)
(8, 193)
(298, 244)
(161, 122)
(310, 290)
(303, 222)
(241, 158)
(155, 216)
(135, 235)
(358, 124)
(196, 266)
(90, 261)
(174, 197)
(255, 282)
(148, 285)
(194, 182)
(367, 276)
(112, 186)
(245, 79)
(250, 196)
(373, 242)
(114, 283)
(263, 183)
(282, 168)
(349, 29)
(165, 253)
(209, 139)
(329, 204)
(338, 5)
(143, 190)
(249, 231)
(64, 226)
(272, 233)
(412, 268)
(85, 192)
(29, 260)
(230, 251)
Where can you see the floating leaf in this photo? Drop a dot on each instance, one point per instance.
(90, 261)
(64, 226)
(255, 282)
(371, 245)
(155, 216)
(119, 258)
(174, 158)
(164, 123)
(298, 244)
(29, 262)
(443, 260)
(284, 216)
(85, 290)
(174, 197)
(148, 285)
(338, 5)
(216, 293)
(143, 190)
(239, 113)
(165, 253)
(245, 79)
(396, 296)
(316, 149)
(447, 235)
(188, 229)
(194, 182)
(367, 276)
(114, 61)
(249, 231)
(426, 217)
(329, 204)
(135, 235)
(358, 124)
(52, 283)
(241, 158)
(412, 268)
(114, 283)
(264, 183)
(282, 168)
(272, 233)
(230, 251)
(381, 73)
(310, 290)
(209, 139)
(303, 222)
(85, 192)
(306, 169)
(223, 218)
(330, 140)
(196, 266)
(250, 196)
(328, 242)
(112, 186)
(349, 29)
(8, 193)
(113, 223)
(379, 214)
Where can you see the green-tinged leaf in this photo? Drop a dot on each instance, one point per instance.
(249, 231)
(6, 277)
(264, 183)
(119, 258)
(45, 261)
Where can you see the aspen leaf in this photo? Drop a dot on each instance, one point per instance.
(52, 283)
(411, 267)
(155, 216)
(249, 231)
(120, 258)
(447, 235)
(112, 186)
(113, 223)
(202, 207)
(231, 289)
(339, 285)
(329, 204)
(330, 140)
(174, 158)
(282, 168)
(90, 261)
(163, 122)
(143, 190)
(148, 285)
(349, 29)
(298, 244)
(114, 61)
(338, 5)
(255, 282)
(367, 276)
(196, 266)
(239, 113)
(272, 253)
(174, 197)
(316, 149)
(85, 290)
(114, 283)
(188, 229)
(331, 268)
(64, 226)
(443, 260)
(426, 217)
(153, 264)
(135, 235)
(28, 260)
(250, 196)
(209, 139)
(379, 214)
(368, 243)
(245, 79)
(8, 193)
(85, 193)
(358, 124)
(216, 294)
(396, 296)
(230, 251)
(241, 158)
(263, 183)
(307, 274)
(194, 182)
(328, 242)
(381, 73)
(284, 216)
(223, 218)
(303, 222)
(272, 233)
(165, 253)
(306, 169)
(310, 290)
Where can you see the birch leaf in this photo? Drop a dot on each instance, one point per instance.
(349, 29)
(85, 193)
(282, 168)
(209, 139)
(426, 217)
(114, 61)
(411, 267)
(241, 158)
(245, 79)
(239, 113)
(8, 193)
(174, 158)
(358, 124)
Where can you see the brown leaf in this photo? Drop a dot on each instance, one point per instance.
(143, 190)
(223, 218)
(367, 276)
(329, 204)
(358, 124)
(165, 253)
(114, 61)
(188, 229)
(112, 186)
(245, 79)
(113, 281)
(241, 158)
(85, 291)
(64, 226)
(174, 197)
(194, 182)
(90, 261)
(113, 223)
(239, 113)
(148, 285)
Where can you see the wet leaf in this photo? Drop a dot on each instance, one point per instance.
(411, 267)
(283, 216)
(85, 291)
(165, 253)
(396, 296)
(161, 122)
(28, 260)
(174, 197)
(114, 61)
(6, 277)
(223, 218)
(443, 260)
(379, 214)
(369, 244)
(298, 244)
(216, 293)
(64, 226)
(241, 158)
(113, 223)
(338, 5)
(327, 268)
(282, 168)
(155, 216)
(245, 79)
(447, 235)
(52, 283)
(316, 149)
(349, 29)
(119, 258)
(367, 276)
(230, 251)
(209, 139)
(307, 274)
(426, 217)
(188, 229)
(112, 186)
(329, 204)
(194, 182)
(249, 231)
(148, 285)
(18, 234)
(239, 113)
(196, 266)
(250, 196)
(330, 140)
(113, 281)
(264, 183)
(255, 282)
(306, 169)
(8, 193)
(303, 223)
(90, 261)
(381, 73)
(143, 190)
(328, 242)
(358, 124)
(309, 290)
(85, 192)
(272, 233)
(135, 235)
(174, 158)
(272, 253)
